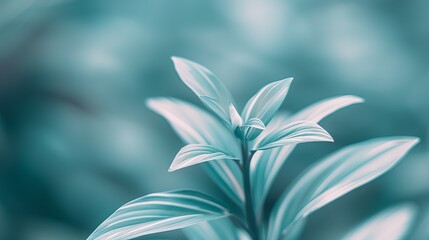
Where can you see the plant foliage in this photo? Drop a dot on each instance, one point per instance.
(243, 154)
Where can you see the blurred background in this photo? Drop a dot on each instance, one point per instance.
(76, 140)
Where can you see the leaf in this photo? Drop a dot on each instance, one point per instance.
(194, 125)
(205, 85)
(255, 123)
(320, 110)
(293, 133)
(218, 229)
(198, 153)
(336, 175)
(251, 129)
(215, 106)
(236, 120)
(265, 103)
(266, 164)
(159, 212)
(393, 224)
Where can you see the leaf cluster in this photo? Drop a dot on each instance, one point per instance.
(243, 153)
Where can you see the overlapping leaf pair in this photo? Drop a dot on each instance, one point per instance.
(261, 139)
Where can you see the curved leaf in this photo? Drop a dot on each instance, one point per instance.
(393, 224)
(265, 103)
(266, 164)
(293, 133)
(252, 128)
(236, 120)
(218, 229)
(205, 84)
(319, 110)
(336, 175)
(198, 153)
(194, 125)
(159, 212)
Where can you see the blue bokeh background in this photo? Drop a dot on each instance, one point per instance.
(76, 140)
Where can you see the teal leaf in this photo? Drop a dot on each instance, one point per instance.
(336, 175)
(218, 229)
(393, 224)
(266, 164)
(198, 153)
(255, 123)
(252, 128)
(293, 133)
(319, 110)
(236, 120)
(265, 103)
(194, 125)
(159, 212)
(205, 85)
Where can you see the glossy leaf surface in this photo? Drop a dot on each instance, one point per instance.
(266, 164)
(205, 85)
(198, 153)
(336, 175)
(195, 125)
(159, 212)
(293, 133)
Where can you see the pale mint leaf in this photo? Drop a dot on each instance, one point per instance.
(255, 123)
(393, 224)
(236, 120)
(336, 175)
(205, 84)
(159, 212)
(319, 110)
(265, 103)
(195, 125)
(266, 164)
(198, 153)
(293, 133)
(252, 128)
(218, 229)
(215, 106)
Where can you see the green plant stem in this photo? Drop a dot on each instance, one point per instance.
(250, 213)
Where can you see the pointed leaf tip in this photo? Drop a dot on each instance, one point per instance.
(211, 91)
(194, 125)
(236, 120)
(265, 103)
(266, 164)
(193, 154)
(320, 110)
(293, 133)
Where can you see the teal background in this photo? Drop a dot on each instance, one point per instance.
(76, 140)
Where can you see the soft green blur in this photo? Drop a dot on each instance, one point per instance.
(76, 140)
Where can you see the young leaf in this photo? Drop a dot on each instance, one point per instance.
(215, 106)
(205, 85)
(194, 125)
(198, 153)
(265, 103)
(336, 175)
(236, 120)
(393, 224)
(319, 110)
(159, 212)
(266, 164)
(218, 229)
(293, 133)
(252, 128)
